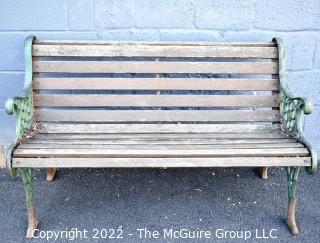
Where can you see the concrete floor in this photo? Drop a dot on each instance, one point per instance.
(157, 199)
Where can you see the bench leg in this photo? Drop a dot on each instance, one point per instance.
(292, 173)
(263, 171)
(51, 173)
(26, 174)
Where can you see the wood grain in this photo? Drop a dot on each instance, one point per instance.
(47, 127)
(155, 84)
(159, 162)
(154, 67)
(92, 100)
(162, 152)
(143, 50)
(158, 116)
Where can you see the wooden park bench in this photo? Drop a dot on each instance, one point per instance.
(167, 104)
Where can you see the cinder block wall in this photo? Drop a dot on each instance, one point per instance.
(296, 21)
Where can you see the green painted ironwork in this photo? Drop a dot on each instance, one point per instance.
(22, 106)
(292, 173)
(292, 109)
(26, 174)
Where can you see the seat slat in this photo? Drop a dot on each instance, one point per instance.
(165, 136)
(157, 128)
(141, 50)
(155, 84)
(163, 152)
(158, 116)
(63, 162)
(154, 67)
(216, 142)
(183, 144)
(77, 100)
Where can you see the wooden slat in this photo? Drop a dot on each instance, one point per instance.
(91, 100)
(157, 128)
(156, 136)
(217, 142)
(159, 162)
(151, 145)
(152, 116)
(155, 84)
(141, 50)
(154, 67)
(152, 43)
(163, 152)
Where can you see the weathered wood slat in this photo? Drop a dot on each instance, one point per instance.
(141, 50)
(155, 84)
(157, 145)
(154, 67)
(159, 162)
(152, 43)
(93, 100)
(222, 142)
(173, 136)
(152, 116)
(157, 128)
(163, 152)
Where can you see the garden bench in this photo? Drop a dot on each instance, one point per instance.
(167, 104)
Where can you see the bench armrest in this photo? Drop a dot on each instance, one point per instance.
(22, 106)
(292, 109)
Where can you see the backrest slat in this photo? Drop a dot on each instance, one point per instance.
(155, 100)
(123, 116)
(155, 84)
(145, 50)
(154, 67)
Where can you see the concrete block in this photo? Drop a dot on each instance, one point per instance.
(284, 14)
(316, 14)
(316, 63)
(224, 15)
(113, 14)
(129, 35)
(82, 35)
(11, 84)
(33, 15)
(189, 35)
(12, 49)
(299, 49)
(305, 84)
(163, 14)
(81, 14)
(8, 128)
(246, 36)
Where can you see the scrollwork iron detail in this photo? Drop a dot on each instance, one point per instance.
(292, 109)
(22, 106)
